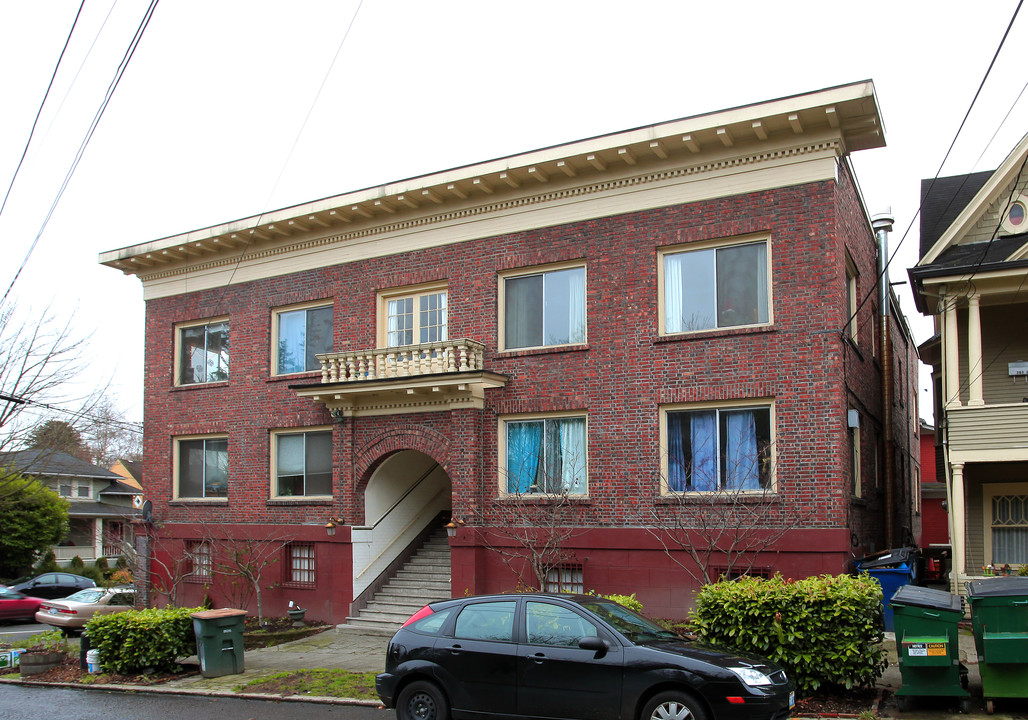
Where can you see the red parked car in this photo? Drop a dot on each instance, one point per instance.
(17, 606)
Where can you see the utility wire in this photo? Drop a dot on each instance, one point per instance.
(884, 274)
(39, 112)
(119, 73)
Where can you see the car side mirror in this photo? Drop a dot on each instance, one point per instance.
(594, 643)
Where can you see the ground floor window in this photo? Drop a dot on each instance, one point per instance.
(545, 455)
(300, 564)
(201, 560)
(1009, 529)
(565, 579)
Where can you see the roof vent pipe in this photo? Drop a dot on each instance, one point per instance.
(882, 224)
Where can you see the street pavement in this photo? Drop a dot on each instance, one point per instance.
(362, 650)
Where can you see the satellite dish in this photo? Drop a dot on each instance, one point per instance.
(147, 511)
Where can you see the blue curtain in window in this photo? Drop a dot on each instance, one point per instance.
(703, 438)
(677, 465)
(524, 442)
(743, 466)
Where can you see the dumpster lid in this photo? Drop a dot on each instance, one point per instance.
(998, 586)
(912, 595)
(887, 558)
(218, 613)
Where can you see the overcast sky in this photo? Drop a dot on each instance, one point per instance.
(228, 109)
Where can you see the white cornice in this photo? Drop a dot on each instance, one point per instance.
(772, 144)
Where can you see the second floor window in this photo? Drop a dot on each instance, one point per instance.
(301, 334)
(303, 464)
(203, 468)
(202, 353)
(716, 287)
(544, 308)
(416, 317)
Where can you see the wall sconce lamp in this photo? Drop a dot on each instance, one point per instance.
(330, 526)
(451, 527)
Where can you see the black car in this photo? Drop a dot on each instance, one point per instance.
(568, 656)
(52, 585)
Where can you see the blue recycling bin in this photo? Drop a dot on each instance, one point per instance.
(892, 569)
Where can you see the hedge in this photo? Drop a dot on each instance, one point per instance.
(824, 631)
(142, 641)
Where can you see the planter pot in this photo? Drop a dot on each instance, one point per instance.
(36, 663)
(297, 617)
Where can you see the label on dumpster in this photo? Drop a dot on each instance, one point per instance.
(925, 649)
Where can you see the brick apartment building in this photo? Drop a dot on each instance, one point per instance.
(623, 324)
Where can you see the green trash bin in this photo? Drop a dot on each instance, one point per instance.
(999, 617)
(926, 626)
(219, 641)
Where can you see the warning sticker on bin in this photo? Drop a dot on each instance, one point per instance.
(925, 649)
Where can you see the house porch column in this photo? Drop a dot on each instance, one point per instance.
(957, 527)
(951, 352)
(974, 350)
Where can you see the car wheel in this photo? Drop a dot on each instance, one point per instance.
(422, 701)
(674, 706)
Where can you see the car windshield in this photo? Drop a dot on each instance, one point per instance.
(629, 623)
(86, 596)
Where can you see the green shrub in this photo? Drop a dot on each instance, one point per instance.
(47, 563)
(628, 601)
(77, 565)
(102, 566)
(142, 641)
(823, 630)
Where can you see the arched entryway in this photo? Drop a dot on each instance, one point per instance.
(405, 499)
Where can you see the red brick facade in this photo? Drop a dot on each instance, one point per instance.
(620, 379)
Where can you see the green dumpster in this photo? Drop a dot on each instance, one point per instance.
(926, 625)
(219, 641)
(999, 617)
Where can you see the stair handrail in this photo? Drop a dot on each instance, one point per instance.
(403, 497)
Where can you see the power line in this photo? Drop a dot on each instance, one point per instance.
(39, 112)
(119, 73)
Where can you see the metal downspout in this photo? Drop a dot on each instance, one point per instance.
(882, 224)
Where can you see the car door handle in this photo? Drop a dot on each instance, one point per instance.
(456, 649)
(537, 658)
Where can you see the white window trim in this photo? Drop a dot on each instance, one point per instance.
(177, 349)
(852, 299)
(275, 313)
(755, 403)
(989, 491)
(501, 323)
(707, 245)
(273, 465)
(177, 441)
(502, 447)
(414, 291)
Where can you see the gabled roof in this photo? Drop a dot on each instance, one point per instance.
(54, 463)
(942, 199)
(963, 228)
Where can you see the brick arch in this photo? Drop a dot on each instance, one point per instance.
(374, 452)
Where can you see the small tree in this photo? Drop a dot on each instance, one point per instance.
(243, 562)
(34, 518)
(531, 523)
(722, 516)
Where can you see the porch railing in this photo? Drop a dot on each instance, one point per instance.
(446, 356)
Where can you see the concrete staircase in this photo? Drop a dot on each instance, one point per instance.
(424, 579)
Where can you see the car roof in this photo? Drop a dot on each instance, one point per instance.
(576, 598)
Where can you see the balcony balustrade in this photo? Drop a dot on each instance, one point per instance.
(446, 356)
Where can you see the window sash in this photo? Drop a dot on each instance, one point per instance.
(302, 334)
(203, 353)
(715, 288)
(1009, 529)
(303, 464)
(719, 450)
(406, 325)
(202, 558)
(301, 564)
(546, 456)
(203, 468)
(544, 309)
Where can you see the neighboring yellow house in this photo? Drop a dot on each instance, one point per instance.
(973, 280)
